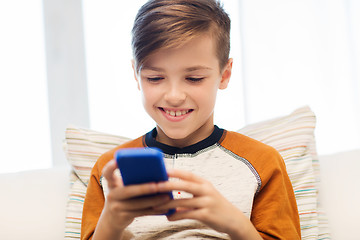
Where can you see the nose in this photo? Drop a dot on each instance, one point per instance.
(175, 95)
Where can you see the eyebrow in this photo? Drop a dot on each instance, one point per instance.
(152, 68)
(189, 69)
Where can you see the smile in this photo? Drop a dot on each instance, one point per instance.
(176, 113)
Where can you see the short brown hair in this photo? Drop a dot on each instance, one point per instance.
(170, 23)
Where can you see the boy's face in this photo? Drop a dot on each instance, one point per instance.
(179, 88)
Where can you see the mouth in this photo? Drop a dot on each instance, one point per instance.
(177, 112)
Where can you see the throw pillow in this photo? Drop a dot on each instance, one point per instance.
(82, 148)
(293, 137)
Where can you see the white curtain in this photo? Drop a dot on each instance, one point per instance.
(304, 52)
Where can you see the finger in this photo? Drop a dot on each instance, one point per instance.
(132, 209)
(139, 213)
(143, 203)
(189, 203)
(195, 214)
(133, 191)
(109, 174)
(195, 189)
(147, 212)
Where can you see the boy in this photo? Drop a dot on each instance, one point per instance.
(230, 186)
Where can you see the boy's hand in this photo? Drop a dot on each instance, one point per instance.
(207, 206)
(122, 206)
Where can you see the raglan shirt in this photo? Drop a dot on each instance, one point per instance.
(250, 174)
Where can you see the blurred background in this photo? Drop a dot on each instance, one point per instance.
(69, 62)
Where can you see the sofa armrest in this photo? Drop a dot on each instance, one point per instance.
(340, 193)
(33, 204)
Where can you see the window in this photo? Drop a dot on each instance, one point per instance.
(24, 122)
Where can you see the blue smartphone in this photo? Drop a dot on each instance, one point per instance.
(142, 165)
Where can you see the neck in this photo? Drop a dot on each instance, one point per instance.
(195, 137)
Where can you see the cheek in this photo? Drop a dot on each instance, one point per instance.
(146, 97)
(149, 94)
(205, 97)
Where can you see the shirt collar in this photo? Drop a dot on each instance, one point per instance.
(215, 136)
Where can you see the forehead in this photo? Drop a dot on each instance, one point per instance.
(199, 51)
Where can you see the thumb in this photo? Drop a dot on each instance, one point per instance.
(109, 173)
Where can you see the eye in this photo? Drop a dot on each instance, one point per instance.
(154, 79)
(195, 79)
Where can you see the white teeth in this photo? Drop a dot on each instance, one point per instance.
(176, 113)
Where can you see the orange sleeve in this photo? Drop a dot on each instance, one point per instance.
(274, 213)
(94, 198)
(93, 204)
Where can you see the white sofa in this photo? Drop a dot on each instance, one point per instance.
(33, 203)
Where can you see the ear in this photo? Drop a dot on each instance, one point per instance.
(226, 74)
(135, 73)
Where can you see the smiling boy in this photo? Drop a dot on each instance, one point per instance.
(179, 89)
(234, 187)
